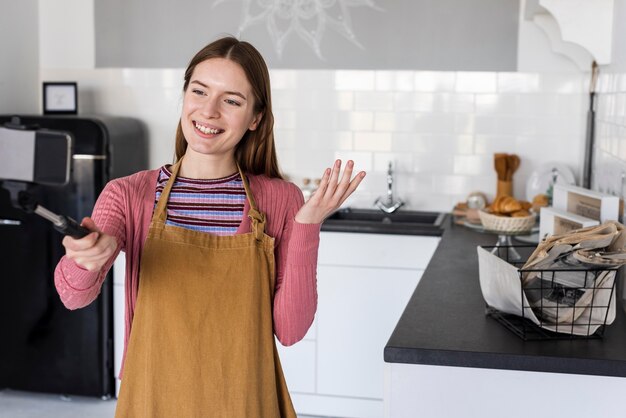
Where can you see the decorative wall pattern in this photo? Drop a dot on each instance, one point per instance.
(308, 20)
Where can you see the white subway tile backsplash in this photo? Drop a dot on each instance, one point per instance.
(473, 165)
(384, 80)
(158, 78)
(385, 121)
(571, 126)
(535, 150)
(476, 82)
(285, 119)
(377, 101)
(564, 83)
(620, 106)
(404, 122)
(464, 123)
(487, 184)
(434, 102)
(312, 100)
(433, 144)
(464, 144)
(406, 142)
(435, 123)
(518, 83)
(404, 81)
(412, 102)
(287, 162)
(527, 104)
(315, 80)
(435, 81)
(285, 139)
(451, 184)
(284, 99)
(305, 140)
(402, 163)
(283, 79)
(373, 141)
(504, 125)
(355, 121)
(440, 128)
(339, 100)
(490, 144)
(456, 103)
(437, 164)
(394, 80)
(432, 200)
(604, 83)
(618, 82)
(318, 119)
(354, 80)
(362, 160)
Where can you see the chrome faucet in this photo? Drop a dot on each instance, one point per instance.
(389, 206)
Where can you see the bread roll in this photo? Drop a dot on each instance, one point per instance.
(509, 205)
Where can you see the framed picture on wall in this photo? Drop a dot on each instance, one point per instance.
(60, 97)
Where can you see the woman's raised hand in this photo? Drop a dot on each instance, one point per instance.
(330, 194)
(92, 251)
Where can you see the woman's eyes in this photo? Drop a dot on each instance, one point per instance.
(231, 102)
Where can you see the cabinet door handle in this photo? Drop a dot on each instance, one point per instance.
(11, 222)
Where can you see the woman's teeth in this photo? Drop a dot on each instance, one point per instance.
(207, 130)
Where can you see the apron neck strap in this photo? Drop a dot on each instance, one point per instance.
(160, 213)
(257, 219)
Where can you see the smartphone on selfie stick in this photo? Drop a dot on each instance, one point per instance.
(29, 155)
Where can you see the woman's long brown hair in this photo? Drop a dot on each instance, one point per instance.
(255, 153)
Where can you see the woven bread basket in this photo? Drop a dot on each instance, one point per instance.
(506, 223)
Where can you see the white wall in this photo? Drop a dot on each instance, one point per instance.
(534, 51)
(66, 42)
(619, 37)
(19, 77)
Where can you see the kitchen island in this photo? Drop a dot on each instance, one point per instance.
(446, 358)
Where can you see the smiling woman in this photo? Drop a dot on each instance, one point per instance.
(221, 252)
(218, 110)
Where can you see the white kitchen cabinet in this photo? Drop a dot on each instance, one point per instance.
(364, 284)
(358, 310)
(298, 362)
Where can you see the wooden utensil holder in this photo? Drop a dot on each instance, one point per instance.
(504, 188)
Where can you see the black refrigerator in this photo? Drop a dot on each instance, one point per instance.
(45, 347)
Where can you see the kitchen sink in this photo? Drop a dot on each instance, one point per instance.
(375, 221)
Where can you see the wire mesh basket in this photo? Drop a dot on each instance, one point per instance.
(569, 302)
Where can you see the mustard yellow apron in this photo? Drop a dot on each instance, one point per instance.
(202, 341)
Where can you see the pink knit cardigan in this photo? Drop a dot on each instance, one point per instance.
(124, 210)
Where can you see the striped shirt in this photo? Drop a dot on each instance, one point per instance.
(214, 206)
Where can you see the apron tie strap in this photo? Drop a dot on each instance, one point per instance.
(257, 220)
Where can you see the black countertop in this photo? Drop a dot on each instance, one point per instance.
(444, 323)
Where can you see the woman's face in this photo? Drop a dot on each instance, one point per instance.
(218, 108)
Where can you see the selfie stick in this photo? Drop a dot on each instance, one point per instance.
(21, 199)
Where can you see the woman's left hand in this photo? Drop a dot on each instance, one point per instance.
(330, 194)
